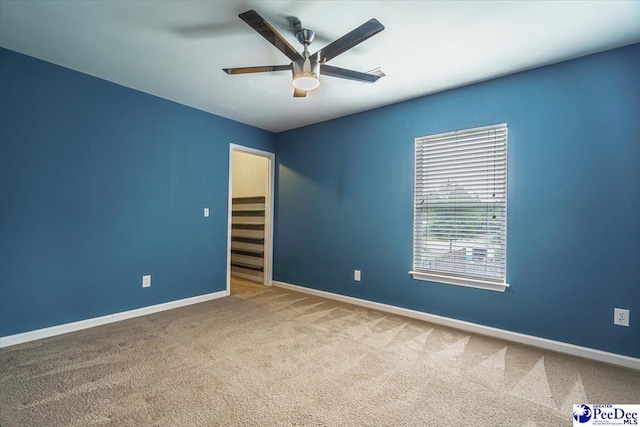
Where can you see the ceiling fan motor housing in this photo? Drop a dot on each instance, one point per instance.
(306, 73)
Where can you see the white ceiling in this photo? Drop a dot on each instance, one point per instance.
(176, 49)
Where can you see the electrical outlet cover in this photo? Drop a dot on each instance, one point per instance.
(146, 281)
(621, 317)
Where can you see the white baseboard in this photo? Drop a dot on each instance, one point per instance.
(52, 331)
(558, 346)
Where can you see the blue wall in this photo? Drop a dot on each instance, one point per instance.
(345, 190)
(99, 185)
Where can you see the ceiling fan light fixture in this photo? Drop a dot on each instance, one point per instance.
(306, 81)
(305, 74)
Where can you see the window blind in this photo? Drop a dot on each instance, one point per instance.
(460, 211)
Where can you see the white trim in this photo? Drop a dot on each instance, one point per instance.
(268, 219)
(547, 344)
(459, 281)
(52, 331)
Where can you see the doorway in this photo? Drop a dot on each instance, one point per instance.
(250, 217)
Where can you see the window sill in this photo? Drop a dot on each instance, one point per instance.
(460, 281)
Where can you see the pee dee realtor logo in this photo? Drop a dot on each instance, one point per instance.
(606, 415)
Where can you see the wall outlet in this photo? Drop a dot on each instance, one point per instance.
(146, 281)
(356, 275)
(206, 212)
(621, 317)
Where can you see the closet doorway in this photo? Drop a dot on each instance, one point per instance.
(250, 228)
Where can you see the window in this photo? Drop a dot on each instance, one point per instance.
(460, 210)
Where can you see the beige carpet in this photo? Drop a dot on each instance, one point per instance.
(266, 356)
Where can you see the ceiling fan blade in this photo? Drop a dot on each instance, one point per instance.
(263, 69)
(297, 93)
(257, 22)
(349, 40)
(343, 73)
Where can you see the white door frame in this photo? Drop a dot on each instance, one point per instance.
(268, 219)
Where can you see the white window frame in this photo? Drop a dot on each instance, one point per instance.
(418, 273)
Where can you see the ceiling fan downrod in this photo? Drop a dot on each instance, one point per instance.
(305, 37)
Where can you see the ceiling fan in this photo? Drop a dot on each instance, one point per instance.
(306, 68)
